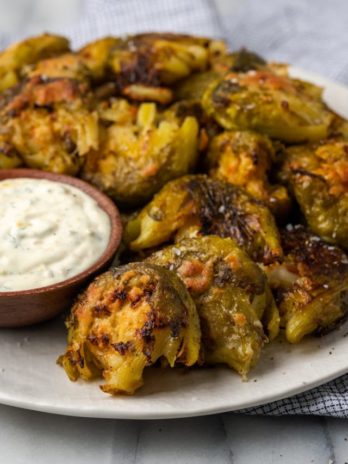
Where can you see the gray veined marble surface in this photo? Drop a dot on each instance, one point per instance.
(29, 437)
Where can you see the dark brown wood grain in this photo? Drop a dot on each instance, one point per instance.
(27, 307)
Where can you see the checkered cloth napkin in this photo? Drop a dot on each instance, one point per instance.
(308, 33)
(312, 34)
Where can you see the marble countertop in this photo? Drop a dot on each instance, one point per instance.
(31, 437)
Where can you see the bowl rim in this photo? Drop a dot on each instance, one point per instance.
(104, 202)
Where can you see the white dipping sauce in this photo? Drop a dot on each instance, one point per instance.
(49, 232)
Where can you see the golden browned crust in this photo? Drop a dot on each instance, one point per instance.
(232, 298)
(273, 104)
(311, 285)
(127, 319)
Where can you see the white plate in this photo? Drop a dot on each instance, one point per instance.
(29, 377)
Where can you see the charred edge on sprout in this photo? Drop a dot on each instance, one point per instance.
(321, 331)
(123, 347)
(101, 340)
(221, 94)
(41, 93)
(146, 333)
(317, 256)
(119, 294)
(139, 71)
(188, 108)
(245, 61)
(101, 310)
(217, 211)
(75, 358)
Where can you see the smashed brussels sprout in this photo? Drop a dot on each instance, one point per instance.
(48, 122)
(318, 176)
(18, 56)
(311, 285)
(145, 65)
(276, 105)
(244, 158)
(127, 319)
(232, 298)
(197, 205)
(137, 158)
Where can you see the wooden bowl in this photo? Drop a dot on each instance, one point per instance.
(25, 307)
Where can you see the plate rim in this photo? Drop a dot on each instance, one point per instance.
(94, 413)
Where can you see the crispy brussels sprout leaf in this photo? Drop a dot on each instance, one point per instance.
(231, 294)
(245, 60)
(278, 106)
(311, 285)
(127, 319)
(137, 159)
(14, 59)
(96, 55)
(318, 175)
(197, 205)
(194, 86)
(244, 158)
